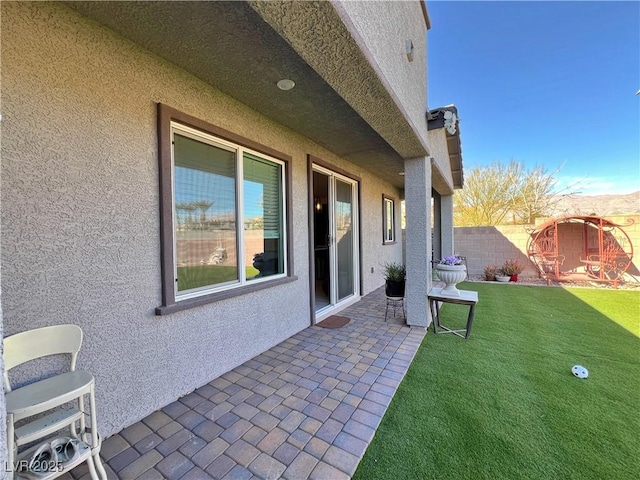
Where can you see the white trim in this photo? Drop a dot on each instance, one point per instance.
(329, 310)
(239, 151)
(240, 245)
(336, 304)
(385, 219)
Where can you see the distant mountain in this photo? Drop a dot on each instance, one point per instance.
(600, 205)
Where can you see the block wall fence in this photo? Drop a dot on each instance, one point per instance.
(493, 245)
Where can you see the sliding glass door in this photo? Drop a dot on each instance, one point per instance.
(344, 244)
(335, 239)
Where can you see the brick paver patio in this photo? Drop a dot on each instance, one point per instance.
(307, 408)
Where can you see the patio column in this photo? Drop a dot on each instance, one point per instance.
(417, 187)
(437, 226)
(446, 226)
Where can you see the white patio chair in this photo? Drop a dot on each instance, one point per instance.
(41, 399)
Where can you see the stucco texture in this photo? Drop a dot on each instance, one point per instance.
(324, 34)
(381, 29)
(442, 178)
(80, 212)
(375, 254)
(418, 239)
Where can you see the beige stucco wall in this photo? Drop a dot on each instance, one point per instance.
(443, 180)
(493, 245)
(80, 215)
(375, 254)
(381, 29)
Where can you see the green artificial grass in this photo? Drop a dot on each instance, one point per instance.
(203, 275)
(504, 404)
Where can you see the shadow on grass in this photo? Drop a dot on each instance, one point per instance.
(504, 403)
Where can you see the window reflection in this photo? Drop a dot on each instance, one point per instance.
(263, 216)
(204, 214)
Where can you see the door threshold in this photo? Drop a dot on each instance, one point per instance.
(328, 311)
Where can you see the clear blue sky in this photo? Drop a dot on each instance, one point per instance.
(548, 83)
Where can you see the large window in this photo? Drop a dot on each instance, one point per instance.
(227, 215)
(388, 220)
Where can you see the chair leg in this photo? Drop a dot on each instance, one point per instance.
(395, 304)
(83, 422)
(96, 442)
(92, 468)
(11, 448)
(101, 470)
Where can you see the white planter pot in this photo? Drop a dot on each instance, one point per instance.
(451, 275)
(502, 278)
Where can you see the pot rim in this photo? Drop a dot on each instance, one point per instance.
(440, 266)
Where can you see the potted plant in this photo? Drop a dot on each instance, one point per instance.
(512, 268)
(490, 272)
(501, 277)
(395, 275)
(451, 270)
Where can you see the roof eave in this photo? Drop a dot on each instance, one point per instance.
(436, 120)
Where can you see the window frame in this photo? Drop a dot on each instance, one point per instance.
(171, 301)
(385, 239)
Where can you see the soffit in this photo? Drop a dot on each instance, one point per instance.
(230, 46)
(436, 120)
(455, 158)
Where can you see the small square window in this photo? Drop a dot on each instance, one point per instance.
(388, 220)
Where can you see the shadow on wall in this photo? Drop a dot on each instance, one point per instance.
(493, 246)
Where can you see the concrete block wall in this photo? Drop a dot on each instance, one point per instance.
(631, 225)
(571, 244)
(493, 245)
(496, 244)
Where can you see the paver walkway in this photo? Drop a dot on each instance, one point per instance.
(307, 408)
